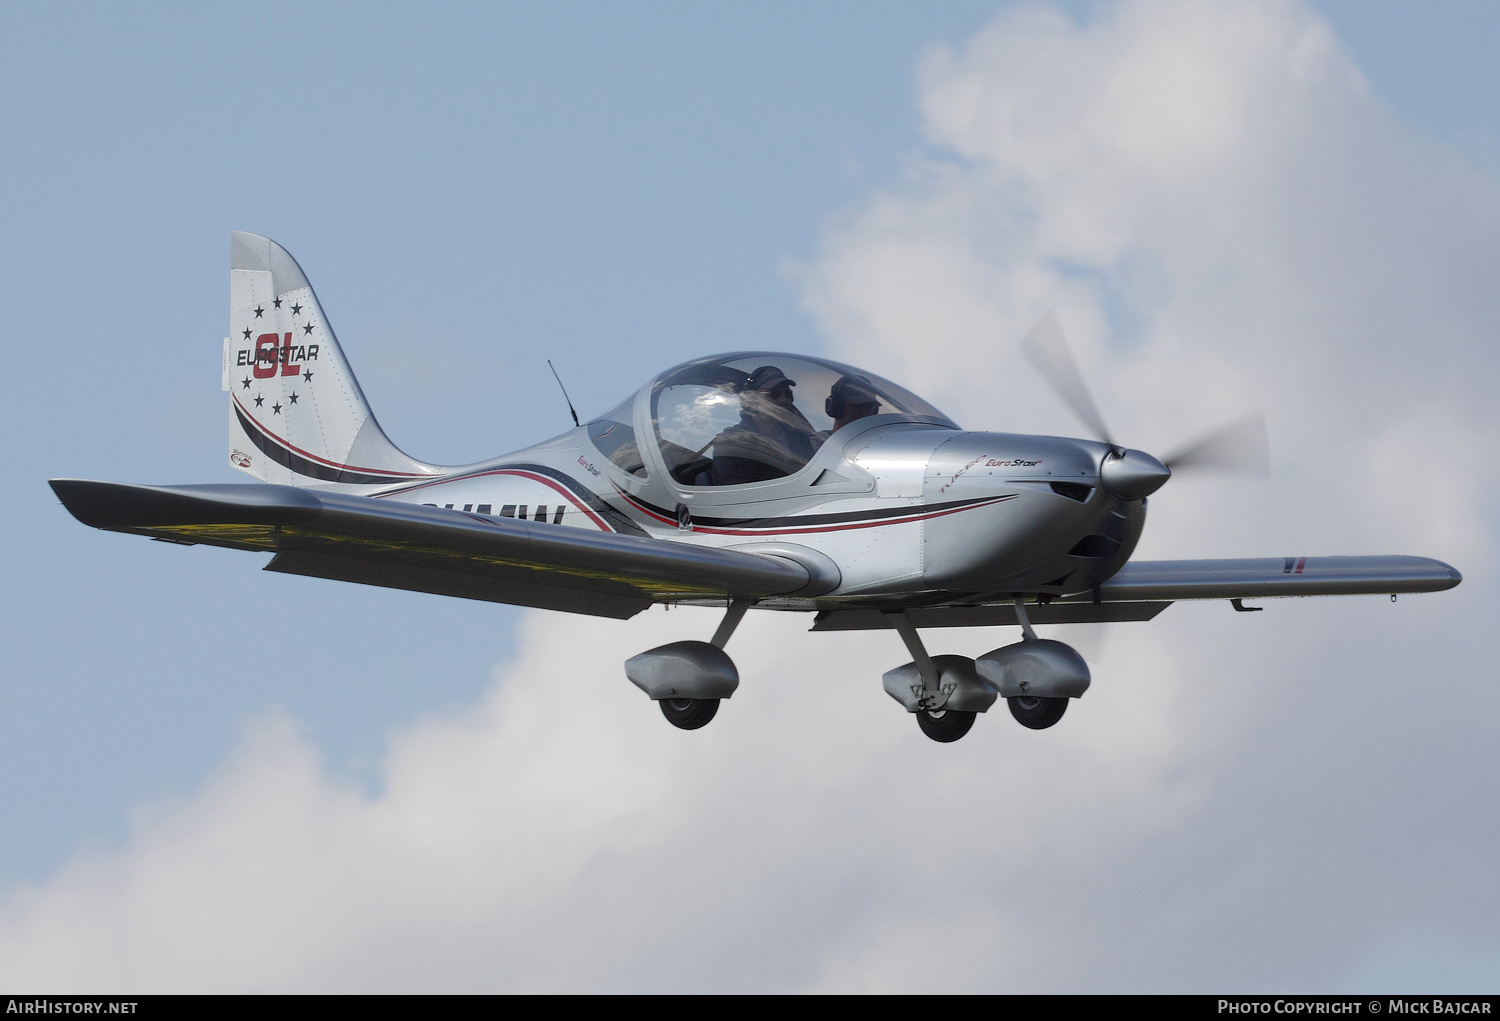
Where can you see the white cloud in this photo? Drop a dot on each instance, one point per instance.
(561, 835)
(1225, 218)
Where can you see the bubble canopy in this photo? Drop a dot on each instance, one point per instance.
(752, 416)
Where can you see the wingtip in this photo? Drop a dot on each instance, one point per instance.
(121, 505)
(73, 493)
(65, 488)
(1453, 579)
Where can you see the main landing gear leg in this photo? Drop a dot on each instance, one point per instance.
(692, 713)
(1027, 635)
(940, 724)
(1034, 712)
(732, 618)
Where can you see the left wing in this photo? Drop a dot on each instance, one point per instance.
(431, 549)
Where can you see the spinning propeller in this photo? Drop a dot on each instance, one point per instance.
(1133, 474)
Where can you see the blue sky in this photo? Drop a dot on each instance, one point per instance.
(609, 187)
(471, 190)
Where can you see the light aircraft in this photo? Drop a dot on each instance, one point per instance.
(750, 479)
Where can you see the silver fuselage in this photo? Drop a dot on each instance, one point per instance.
(887, 507)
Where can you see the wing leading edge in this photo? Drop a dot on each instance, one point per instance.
(429, 549)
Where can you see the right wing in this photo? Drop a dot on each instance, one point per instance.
(1142, 589)
(1265, 577)
(430, 549)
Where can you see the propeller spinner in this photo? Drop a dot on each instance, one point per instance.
(1134, 474)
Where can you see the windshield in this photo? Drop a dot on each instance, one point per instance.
(744, 418)
(613, 434)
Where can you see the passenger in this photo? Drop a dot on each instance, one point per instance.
(772, 438)
(850, 399)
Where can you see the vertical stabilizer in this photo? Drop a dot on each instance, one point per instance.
(296, 413)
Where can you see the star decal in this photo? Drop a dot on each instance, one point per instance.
(277, 303)
(307, 329)
(276, 408)
(296, 309)
(293, 398)
(247, 333)
(246, 382)
(307, 377)
(258, 311)
(259, 400)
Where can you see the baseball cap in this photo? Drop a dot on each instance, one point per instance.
(766, 378)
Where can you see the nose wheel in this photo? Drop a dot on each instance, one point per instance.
(945, 725)
(691, 713)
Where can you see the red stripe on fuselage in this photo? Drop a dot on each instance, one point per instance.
(314, 457)
(809, 529)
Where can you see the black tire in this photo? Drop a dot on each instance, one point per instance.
(688, 713)
(945, 725)
(1036, 712)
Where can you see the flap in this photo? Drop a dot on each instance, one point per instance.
(992, 615)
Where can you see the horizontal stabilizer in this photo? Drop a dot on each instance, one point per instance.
(431, 549)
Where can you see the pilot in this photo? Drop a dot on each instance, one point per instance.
(850, 399)
(772, 438)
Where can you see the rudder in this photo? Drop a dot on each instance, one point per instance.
(296, 413)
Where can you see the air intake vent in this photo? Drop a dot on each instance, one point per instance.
(1096, 546)
(1073, 490)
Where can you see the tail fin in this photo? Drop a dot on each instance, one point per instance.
(296, 413)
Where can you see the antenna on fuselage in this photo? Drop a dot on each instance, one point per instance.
(565, 392)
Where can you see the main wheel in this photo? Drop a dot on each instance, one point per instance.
(1036, 712)
(689, 713)
(946, 724)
